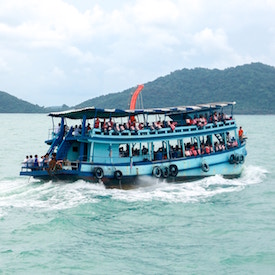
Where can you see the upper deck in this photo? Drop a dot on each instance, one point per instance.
(114, 125)
(113, 136)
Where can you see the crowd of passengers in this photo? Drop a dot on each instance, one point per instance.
(37, 163)
(177, 152)
(133, 126)
(203, 120)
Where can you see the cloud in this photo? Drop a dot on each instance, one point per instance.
(211, 40)
(4, 66)
(86, 48)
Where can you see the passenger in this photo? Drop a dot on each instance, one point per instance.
(188, 122)
(136, 125)
(228, 137)
(132, 124)
(79, 130)
(144, 150)
(204, 120)
(127, 125)
(152, 128)
(187, 153)
(202, 149)
(121, 127)
(194, 121)
(76, 132)
(178, 151)
(97, 122)
(121, 151)
(57, 129)
(30, 161)
(25, 161)
(215, 118)
(172, 125)
(35, 162)
(200, 122)
(110, 124)
(52, 163)
(141, 126)
(207, 149)
(116, 127)
(46, 160)
(58, 165)
(40, 161)
(88, 127)
(104, 126)
(159, 154)
(241, 134)
(157, 125)
(66, 129)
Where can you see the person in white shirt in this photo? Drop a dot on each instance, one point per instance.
(25, 161)
(30, 161)
(57, 129)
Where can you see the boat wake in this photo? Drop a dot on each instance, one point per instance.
(55, 196)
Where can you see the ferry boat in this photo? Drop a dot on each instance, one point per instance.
(116, 146)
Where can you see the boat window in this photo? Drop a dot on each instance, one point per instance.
(175, 148)
(160, 150)
(135, 149)
(124, 150)
(144, 148)
(231, 139)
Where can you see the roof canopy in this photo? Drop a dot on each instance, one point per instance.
(92, 112)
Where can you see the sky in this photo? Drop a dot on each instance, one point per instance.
(55, 52)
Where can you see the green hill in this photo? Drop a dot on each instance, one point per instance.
(251, 86)
(11, 104)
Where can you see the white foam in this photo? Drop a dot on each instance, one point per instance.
(53, 196)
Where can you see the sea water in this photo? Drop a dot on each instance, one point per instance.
(209, 226)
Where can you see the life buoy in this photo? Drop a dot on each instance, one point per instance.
(157, 171)
(118, 175)
(165, 172)
(205, 166)
(98, 172)
(173, 169)
(237, 158)
(232, 159)
(241, 158)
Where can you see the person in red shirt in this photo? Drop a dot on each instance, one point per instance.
(241, 134)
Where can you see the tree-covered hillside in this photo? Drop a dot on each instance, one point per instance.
(251, 86)
(11, 104)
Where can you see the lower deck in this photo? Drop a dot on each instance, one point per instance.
(227, 163)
